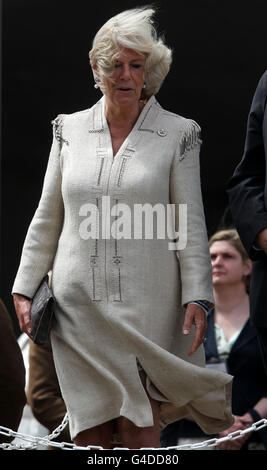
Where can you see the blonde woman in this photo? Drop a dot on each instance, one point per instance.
(232, 341)
(232, 346)
(130, 312)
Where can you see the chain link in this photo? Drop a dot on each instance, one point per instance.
(47, 440)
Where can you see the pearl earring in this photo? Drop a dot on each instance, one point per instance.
(97, 81)
(144, 86)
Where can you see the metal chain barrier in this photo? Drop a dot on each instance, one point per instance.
(47, 440)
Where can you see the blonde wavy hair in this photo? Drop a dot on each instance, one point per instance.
(133, 29)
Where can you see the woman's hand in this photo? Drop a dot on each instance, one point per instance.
(240, 423)
(261, 240)
(195, 315)
(23, 311)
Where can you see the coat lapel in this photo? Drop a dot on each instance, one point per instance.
(96, 121)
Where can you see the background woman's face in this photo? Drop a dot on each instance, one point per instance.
(128, 78)
(228, 266)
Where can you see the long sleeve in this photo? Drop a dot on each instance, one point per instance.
(42, 236)
(247, 185)
(185, 188)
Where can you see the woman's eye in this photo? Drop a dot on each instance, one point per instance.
(135, 66)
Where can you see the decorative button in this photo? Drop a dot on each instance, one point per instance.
(162, 132)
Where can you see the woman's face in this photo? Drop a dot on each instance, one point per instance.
(228, 266)
(128, 78)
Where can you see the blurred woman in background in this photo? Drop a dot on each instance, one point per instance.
(231, 346)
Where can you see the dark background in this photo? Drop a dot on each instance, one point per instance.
(219, 56)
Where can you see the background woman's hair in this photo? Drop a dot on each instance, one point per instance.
(133, 29)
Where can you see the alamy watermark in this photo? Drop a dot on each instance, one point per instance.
(123, 222)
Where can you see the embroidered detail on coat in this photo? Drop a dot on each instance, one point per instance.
(57, 128)
(127, 154)
(92, 131)
(190, 139)
(101, 154)
(116, 268)
(122, 168)
(94, 265)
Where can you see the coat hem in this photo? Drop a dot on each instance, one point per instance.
(89, 423)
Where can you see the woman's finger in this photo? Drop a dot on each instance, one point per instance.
(28, 323)
(23, 310)
(196, 316)
(198, 340)
(188, 321)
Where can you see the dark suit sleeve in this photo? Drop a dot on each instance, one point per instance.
(247, 186)
(12, 376)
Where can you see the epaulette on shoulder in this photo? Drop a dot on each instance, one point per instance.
(191, 137)
(57, 124)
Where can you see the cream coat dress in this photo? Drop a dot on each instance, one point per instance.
(120, 301)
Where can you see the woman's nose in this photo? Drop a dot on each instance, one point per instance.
(216, 260)
(125, 72)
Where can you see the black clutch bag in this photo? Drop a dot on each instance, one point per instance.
(42, 313)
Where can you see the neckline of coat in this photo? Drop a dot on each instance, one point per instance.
(145, 120)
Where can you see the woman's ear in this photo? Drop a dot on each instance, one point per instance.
(248, 267)
(94, 68)
(93, 65)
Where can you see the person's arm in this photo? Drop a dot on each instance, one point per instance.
(256, 413)
(41, 241)
(246, 187)
(42, 237)
(253, 415)
(194, 258)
